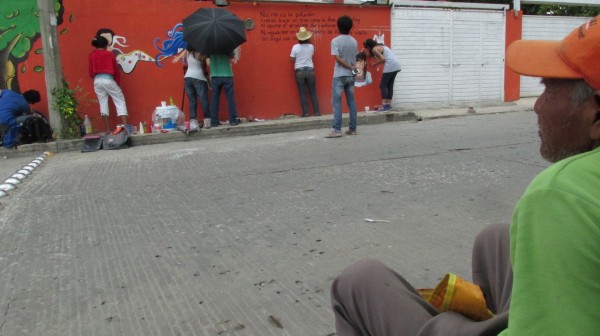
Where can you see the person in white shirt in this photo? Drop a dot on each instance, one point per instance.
(301, 56)
(196, 85)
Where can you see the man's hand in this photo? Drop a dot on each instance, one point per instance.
(343, 63)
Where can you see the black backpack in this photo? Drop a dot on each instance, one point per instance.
(35, 129)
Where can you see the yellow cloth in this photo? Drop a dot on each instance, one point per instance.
(456, 294)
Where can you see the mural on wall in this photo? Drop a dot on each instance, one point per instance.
(127, 61)
(171, 46)
(278, 26)
(19, 28)
(174, 45)
(268, 44)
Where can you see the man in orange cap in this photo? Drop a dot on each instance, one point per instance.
(553, 244)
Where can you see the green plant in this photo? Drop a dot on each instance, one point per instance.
(66, 103)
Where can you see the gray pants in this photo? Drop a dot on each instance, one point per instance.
(370, 299)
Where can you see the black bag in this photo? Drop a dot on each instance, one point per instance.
(92, 143)
(117, 139)
(35, 129)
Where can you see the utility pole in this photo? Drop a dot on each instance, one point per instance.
(52, 64)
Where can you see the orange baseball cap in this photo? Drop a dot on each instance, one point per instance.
(577, 56)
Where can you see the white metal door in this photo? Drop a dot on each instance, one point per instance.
(544, 28)
(448, 56)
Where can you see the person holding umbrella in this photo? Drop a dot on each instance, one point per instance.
(221, 77)
(217, 32)
(195, 84)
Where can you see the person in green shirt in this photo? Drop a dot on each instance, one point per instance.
(221, 76)
(540, 275)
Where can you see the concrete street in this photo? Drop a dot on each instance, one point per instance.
(243, 235)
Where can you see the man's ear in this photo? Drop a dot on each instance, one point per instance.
(595, 129)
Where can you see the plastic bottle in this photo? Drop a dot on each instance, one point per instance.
(157, 123)
(141, 128)
(88, 125)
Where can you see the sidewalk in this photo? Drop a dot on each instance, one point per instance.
(406, 113)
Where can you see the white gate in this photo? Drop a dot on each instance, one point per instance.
(544, 28)
(448, 55)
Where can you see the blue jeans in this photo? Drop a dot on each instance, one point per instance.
(9, 135)
(196, 89)
(343, 84)
(305, 78)
(217, 84)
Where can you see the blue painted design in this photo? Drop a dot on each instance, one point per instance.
(171, 46)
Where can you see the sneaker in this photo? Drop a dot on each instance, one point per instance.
(351, 132)
(207, 123)
(194, 125)
(334, 134)
(384, 108)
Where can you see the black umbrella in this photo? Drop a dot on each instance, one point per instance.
(213, 31)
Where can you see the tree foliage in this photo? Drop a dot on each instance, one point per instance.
(561, 10)
(19, 28)
(66, 104)
(558, 10)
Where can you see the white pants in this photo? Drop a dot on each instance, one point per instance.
(105, 87)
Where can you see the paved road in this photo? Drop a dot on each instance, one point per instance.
(243, 235)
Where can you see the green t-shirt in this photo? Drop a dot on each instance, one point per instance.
(555, 251)
(220, 66)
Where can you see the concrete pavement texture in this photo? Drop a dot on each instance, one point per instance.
(231, 237)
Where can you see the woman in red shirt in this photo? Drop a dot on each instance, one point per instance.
(105, 72)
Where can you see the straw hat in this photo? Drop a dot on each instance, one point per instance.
(303, 34)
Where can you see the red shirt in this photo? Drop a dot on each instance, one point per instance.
(104, 62)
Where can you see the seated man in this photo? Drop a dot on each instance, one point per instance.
(553, 243)
(12, 106)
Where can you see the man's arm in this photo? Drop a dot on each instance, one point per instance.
(11, 107)
(343, 63)
(182, 55)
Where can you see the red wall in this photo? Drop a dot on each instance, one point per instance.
(264, 76)
(512, 80)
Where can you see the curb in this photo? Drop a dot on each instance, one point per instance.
(407, 114)
(244, 129)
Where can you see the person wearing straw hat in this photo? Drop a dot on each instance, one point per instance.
(540, 275)
(301, 56)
